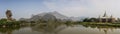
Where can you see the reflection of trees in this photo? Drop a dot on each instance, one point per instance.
(8, 30)
(102, 28)
(49, 28)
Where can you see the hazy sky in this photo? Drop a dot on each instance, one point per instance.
(91, 8)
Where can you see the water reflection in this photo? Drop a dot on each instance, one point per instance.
(8, 30)
(57, 28)
(105, 29)
(51, 28)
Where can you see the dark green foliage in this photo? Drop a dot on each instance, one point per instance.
(116, 25)
(7, 29)
(89, 20)
(6, 23)
(3, 20)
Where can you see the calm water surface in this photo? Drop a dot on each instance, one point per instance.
(61, 29)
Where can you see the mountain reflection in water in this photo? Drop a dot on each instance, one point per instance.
(43, 28)
(49, 28)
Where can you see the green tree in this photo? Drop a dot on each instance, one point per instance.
(3, 20)
(86, 20)
(92, 19)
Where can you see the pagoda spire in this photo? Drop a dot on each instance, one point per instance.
(99, 16)
(105, 14)
(111, 16)
(99, 19)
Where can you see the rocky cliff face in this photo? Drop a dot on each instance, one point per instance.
(48, 15)
(9, 15)
(53, 16)
(56, 14)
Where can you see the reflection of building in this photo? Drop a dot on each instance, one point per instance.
(106, 30)
(106, 18)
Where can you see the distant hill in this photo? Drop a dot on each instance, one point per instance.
(48, 15)
(77, 18)
(53, 16)
(56, 14)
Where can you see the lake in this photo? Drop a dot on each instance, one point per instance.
(60, 29)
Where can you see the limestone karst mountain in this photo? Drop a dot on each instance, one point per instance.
(9, 15)
(55, 13)
(48, 15)
(53, 16)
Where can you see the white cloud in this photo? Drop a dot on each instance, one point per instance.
(90, 8)
(111, 6)
(69, 8)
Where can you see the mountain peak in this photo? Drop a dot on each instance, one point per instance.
(54, 13)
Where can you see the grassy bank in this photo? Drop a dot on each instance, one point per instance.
(101, 24)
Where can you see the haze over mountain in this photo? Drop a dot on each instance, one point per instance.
(55, 13)
(53, 16)
(48, 15)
